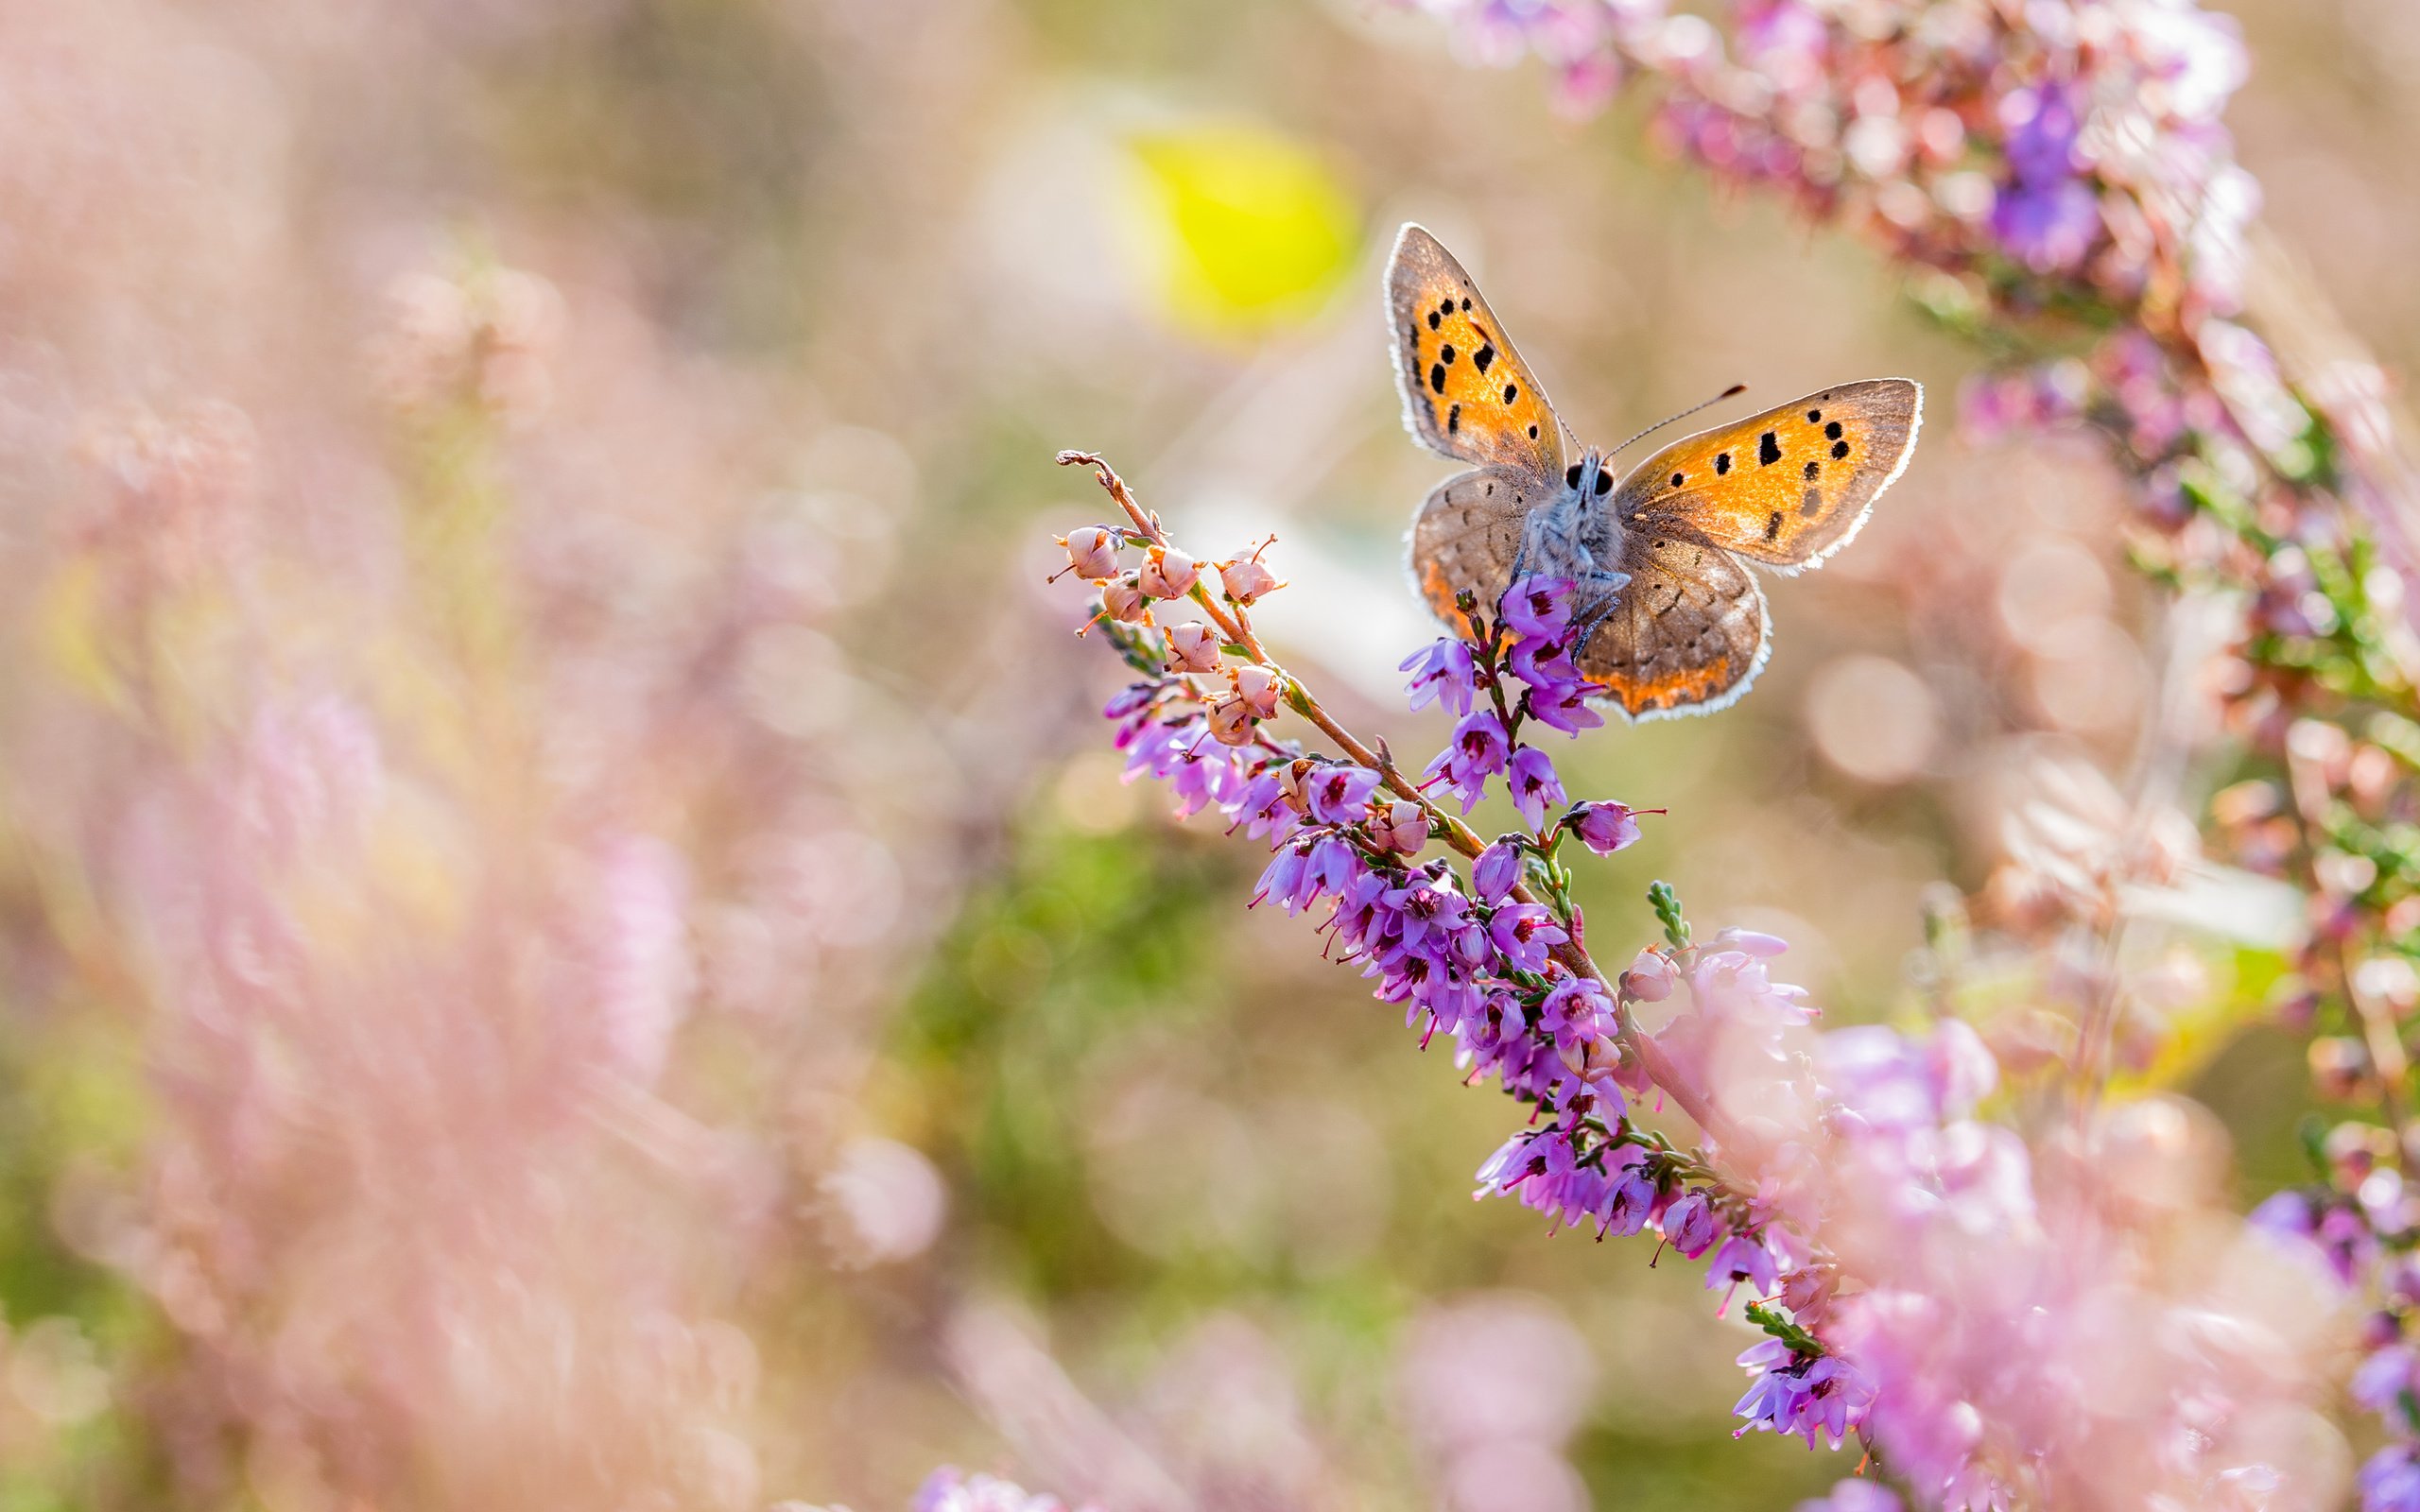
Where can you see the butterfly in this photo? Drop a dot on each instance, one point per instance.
(1662, 554)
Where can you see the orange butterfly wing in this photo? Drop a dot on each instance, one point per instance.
(1466, 392)
(1786, 487)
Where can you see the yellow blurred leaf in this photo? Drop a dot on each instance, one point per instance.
(1242, 229)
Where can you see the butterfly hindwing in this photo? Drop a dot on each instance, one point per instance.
(1466, 392)
(1686, 636)
(1786, 487)
(1467, 535)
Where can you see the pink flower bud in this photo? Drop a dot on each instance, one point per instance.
(1399, 826)
(1193, 646)
(1169, 574)
(1290, 781)
(1125, 602)
(1231, 720)
(1259, 687)
(1246, 580)
(1648, 979)
(1092, 552)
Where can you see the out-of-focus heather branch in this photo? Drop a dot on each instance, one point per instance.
(1926, 1280)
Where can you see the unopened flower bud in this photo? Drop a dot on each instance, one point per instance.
(1259, 687)
(1193, 646)
(1125, 602)
(1092, 552)
(1648, 979)
(1290, 781)
(1231, 720)
(1497, 870)
(1691, 1225)
(1169, 573)
(1246, 580)
(1400, 826)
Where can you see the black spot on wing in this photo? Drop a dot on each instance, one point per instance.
(1768, 450)
(1839, 449)
(1773, 525)
(1814, 416)
(1466, 301)
(1679, 478)
(1437, 376)
(1721, 463)
(1446, 354)
(1533, 433)
(1512, 392)
(1480, 358)
(1453, 419)
(1814, 470)
(1434, 320)
(1832, 432)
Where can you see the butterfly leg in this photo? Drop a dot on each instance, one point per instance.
(1601, 593)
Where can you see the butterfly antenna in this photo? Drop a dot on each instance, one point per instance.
(1731, 392)
(1569, 434)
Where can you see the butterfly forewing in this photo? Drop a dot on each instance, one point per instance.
(1466, 392)
(1786, 487)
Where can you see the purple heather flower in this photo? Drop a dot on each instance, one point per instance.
(1565, 706)
(1479, 750)
(1541, 1165)
(2382, 1380)
(2050, 229)
(2390, 1481)
(1337, 793)
(1446, 673)
(1523, 932)
(1497, 870)
(1576, 1011)
(1629, 1194)
(1743, 1260)
(1262, 807)
(1835, 1398)
(1287, 881)
(1603, 827)
(2041, 126)
(1691, 1225)
(1539, 608)
(1775, 1390)
(1534, 786)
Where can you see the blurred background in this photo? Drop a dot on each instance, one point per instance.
(569, 930)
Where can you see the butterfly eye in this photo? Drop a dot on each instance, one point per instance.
(1605, 484)
(1571, 476)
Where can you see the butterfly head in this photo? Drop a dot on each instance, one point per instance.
(1591, 476)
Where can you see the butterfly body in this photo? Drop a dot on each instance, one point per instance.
(1661, 552)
